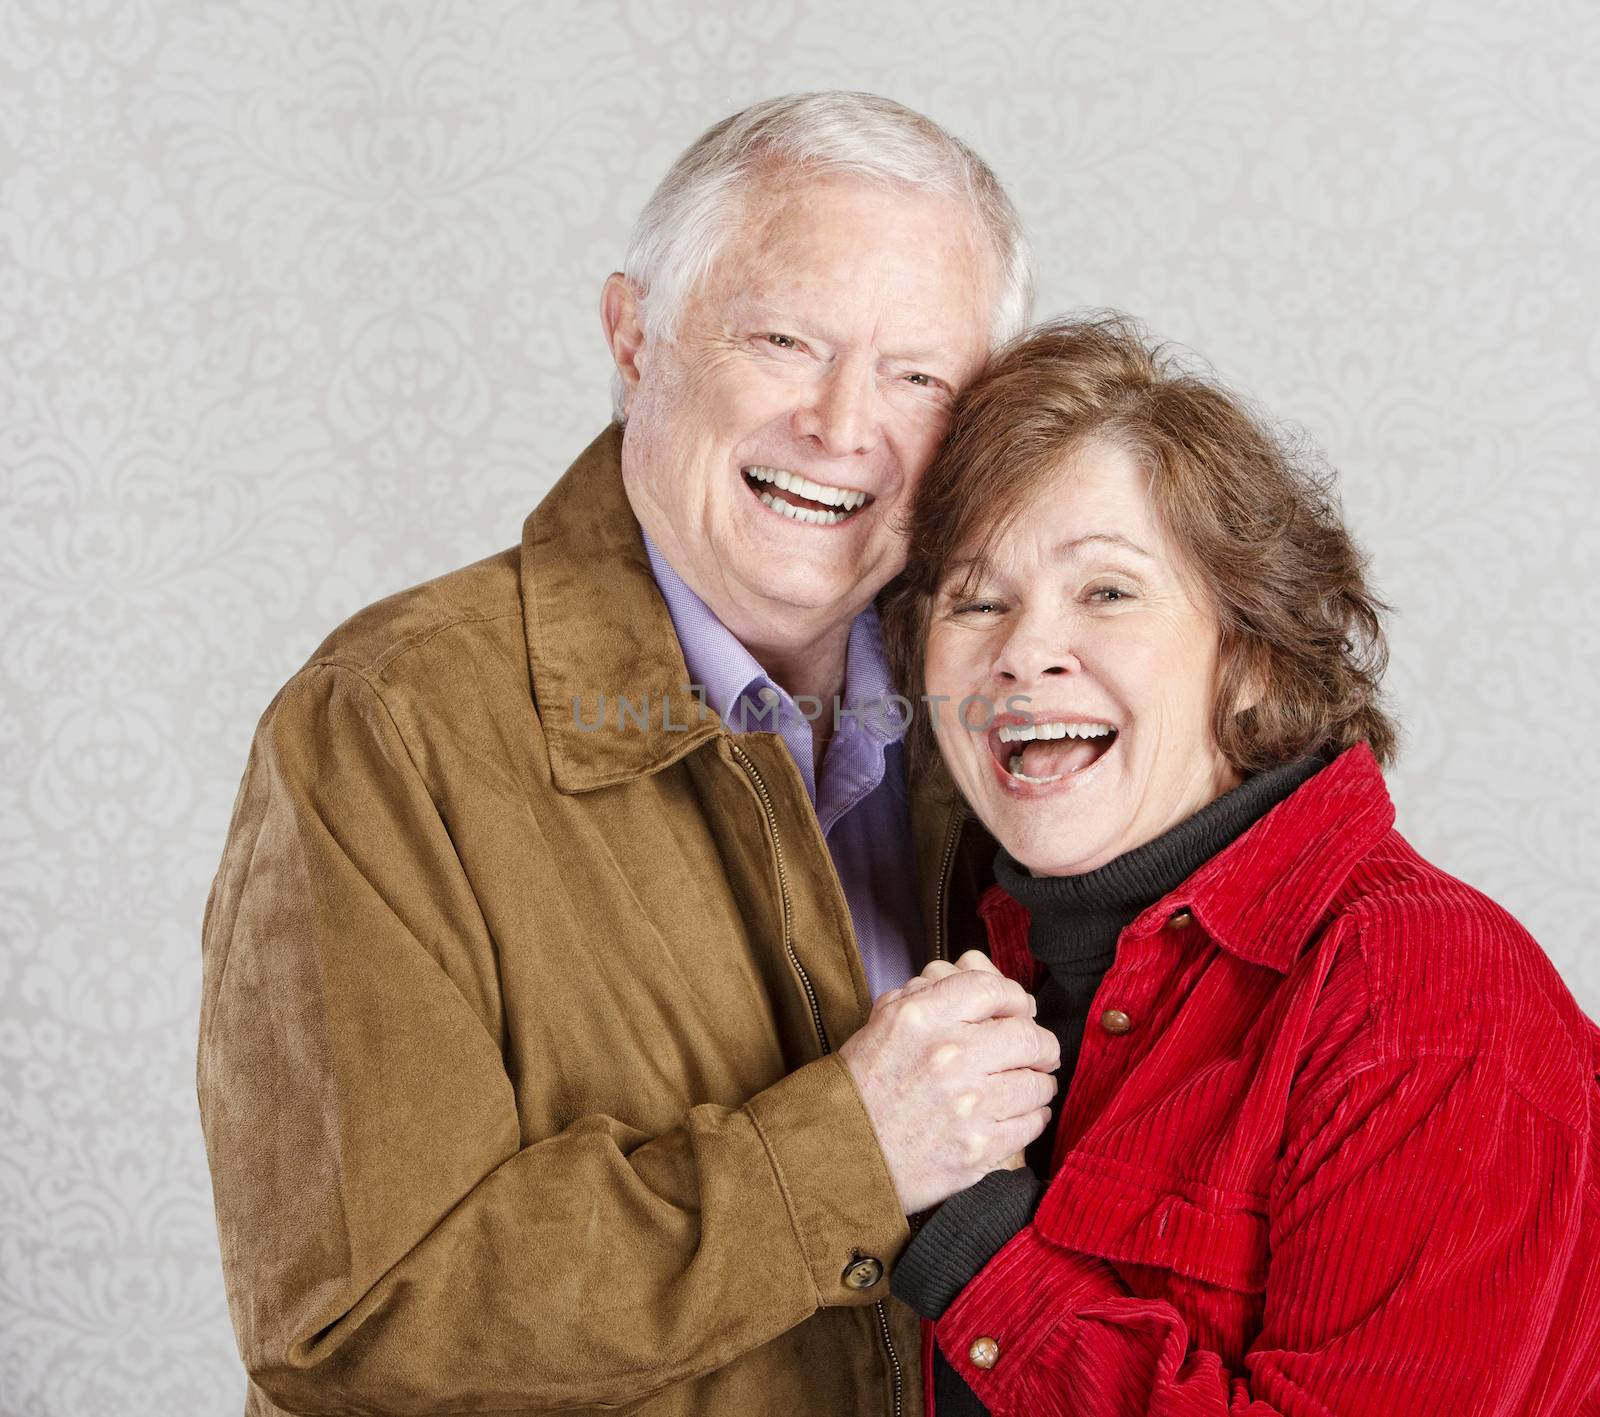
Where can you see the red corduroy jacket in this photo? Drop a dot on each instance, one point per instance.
(1332, 1146)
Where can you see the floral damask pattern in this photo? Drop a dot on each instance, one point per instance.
(297, 307)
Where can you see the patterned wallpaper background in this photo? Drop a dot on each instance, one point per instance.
(298, 307)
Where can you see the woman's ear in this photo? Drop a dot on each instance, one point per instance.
(621, 319)
(1247, 680)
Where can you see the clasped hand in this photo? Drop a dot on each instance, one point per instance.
(955, 1075)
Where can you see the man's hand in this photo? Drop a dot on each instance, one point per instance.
(955, 1075)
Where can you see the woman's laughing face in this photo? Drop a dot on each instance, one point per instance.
(1086, 654)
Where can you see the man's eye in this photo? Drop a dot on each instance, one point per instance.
(922, 381)
(783, 341)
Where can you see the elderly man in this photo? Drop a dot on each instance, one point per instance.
(538, 1061)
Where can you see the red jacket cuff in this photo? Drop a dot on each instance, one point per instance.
(1026, 1298)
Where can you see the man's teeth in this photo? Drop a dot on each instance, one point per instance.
(805, 487)
(813, 516)
(1031, 732)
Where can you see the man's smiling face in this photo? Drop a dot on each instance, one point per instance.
(773, 446)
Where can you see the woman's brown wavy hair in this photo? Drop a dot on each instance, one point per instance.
(1256, 516)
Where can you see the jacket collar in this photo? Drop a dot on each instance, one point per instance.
(598, 633)
(1263, 896)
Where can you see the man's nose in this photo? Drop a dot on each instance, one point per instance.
(844, 411)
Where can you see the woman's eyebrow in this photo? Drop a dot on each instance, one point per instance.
(960, 575)
(1068, 548)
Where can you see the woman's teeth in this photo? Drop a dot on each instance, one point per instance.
(1014, 767)
(1029, 732)
(1072, 760)
(837, 503)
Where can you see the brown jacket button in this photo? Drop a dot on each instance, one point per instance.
(1115, 1021)
(984, 1353)
(862, 1273)
(1180, 920)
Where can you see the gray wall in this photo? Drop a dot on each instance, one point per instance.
(298, 307)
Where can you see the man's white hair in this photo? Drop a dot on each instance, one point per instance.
(693, 212)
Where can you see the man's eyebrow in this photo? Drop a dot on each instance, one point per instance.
(751, 307)
(759, 310)
(770, 317)
(1067, 548)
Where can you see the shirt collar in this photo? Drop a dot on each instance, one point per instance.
(868, 682)
(727, 672)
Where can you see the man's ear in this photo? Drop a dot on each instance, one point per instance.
(620, 318)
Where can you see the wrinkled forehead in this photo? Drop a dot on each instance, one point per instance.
(845, 249)
(1090, 498)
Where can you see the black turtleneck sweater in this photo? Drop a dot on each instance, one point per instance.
(1074, 922)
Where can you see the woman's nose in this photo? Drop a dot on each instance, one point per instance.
(1031, 653)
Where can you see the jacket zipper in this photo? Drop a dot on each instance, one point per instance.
(783, 890)
(952, 836)
(888, 1347)
(748, 764)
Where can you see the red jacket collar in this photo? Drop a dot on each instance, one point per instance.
(1262, 896)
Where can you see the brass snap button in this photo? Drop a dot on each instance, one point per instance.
(1115, 1021)
(862, 1273)
(984, 1353)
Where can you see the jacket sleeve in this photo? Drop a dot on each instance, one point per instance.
(1421, 1233)
(390, 1240)
(961, 1236)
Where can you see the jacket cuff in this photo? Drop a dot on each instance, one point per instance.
(961, 1237)
(842, 1203)
(1024, 1305)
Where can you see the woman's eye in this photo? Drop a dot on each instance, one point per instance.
(922, 381)
(978, 607)
(783, 341)
(1108, 594)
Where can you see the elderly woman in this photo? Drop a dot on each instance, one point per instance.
(1328, 1126)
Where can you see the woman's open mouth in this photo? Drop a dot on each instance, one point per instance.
(802, 500)
(1037, 754)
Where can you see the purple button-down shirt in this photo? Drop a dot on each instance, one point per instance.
(861, 799)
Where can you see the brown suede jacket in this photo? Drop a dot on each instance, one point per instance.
(516, 1060)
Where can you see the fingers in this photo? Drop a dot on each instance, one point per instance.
(1002, 1044)
(915, 985)
(976, 959)
(988, 1148)
(1002, 1033)
(1021, 1043)
(1019, 1093)
(972, 959)
(1019, 1132)
(972, 995)
(938, 969)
